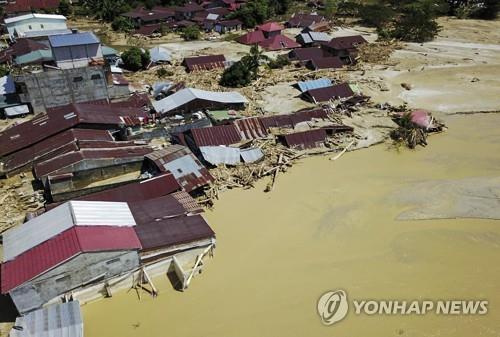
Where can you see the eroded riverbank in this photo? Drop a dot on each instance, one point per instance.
(330, 225)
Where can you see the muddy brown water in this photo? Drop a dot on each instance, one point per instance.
(331, 225)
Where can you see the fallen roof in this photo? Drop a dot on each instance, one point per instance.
(34, 16)
(207, 62)
(306, 54)
(187, 95)
(305, 140)
(314, 84)
(342, 90)
(63, 247)
(174, 231)
(56, 320)
(217, 155)
(75, 39)
(22, 238)
(216, 135)
(7, 85)
(333, 62)
(290, 120)
(184, 166)
(250, 128)
(148, 30)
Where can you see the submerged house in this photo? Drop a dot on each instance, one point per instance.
(76, 50)
(72, 246)
(35, 25)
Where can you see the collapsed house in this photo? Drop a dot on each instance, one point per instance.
(182, 164)
(189, 100)
(84, 249)
(326, 94)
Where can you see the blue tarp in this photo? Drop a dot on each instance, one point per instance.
(315, 84)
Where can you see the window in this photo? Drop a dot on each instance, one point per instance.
(115, 260)
(41, 26)
(78, 79)
(30, 27)
(63, 279)
(95, 77)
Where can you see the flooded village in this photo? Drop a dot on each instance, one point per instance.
(147, 188)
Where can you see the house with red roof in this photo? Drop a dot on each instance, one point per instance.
(71, 246)
(269, 37)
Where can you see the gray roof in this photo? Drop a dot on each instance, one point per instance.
(57, 320)
(159, 54)
(217, 155)
(7, 85)
(311, 37)
(187, 95)
(48, 32)
(315, 84)
(22, 238)
(75, 39)
(251, 155)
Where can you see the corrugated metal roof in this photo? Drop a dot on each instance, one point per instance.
(254, 37)
(75, 39)
(61, 248)
(346, 42)
(250, 128)
(185, 167)
(7, 85)
(279, 42)
(34, 16)
(56, 320)
(187, 95)
(332, 62)
(305, 140)
(165, 207)
(36, 56)
(314, 84)
(325, 94)
(216, 135)
(217, 155)
(24, 237)
(252, 155)
(174, 231)
(290, 120)
(207, 62)
(46, 32)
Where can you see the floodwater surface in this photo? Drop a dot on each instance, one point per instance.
(332, 225)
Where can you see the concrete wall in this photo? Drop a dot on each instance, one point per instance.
(60, 87)
(35, 24)
(73, 274)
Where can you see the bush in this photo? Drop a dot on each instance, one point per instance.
(191, 33)
(280, 62)
(65, 8)
(376, 15)
(417, 22)
(253, 13)
(4, 70)
(162, 72)
(135, 59)
(238, 75)
(122, 24)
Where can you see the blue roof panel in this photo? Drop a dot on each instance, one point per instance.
(75, 39)
(316, 84)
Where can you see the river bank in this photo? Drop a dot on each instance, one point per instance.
(330, 225)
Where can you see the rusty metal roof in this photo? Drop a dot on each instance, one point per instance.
(173, 231)
(305, 140)
(250, 128)
(185, 167)
(325, 94)
(204, 62)
(290, 120)
(216, 135)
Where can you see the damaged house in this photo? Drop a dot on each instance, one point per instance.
(345, 47)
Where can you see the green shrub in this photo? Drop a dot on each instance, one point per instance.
(280, 62)
(162, 72)
(122, 24)
(135, 59)
(191, 33)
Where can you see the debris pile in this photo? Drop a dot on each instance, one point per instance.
(413, 128)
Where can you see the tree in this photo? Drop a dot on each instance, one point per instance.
(331, 8)
(417, 22)
(191, 33)
(253, 13)
(243, 72)
(135, 59)
(481, 9)
(122, 24)
(106, 10)
(65, 8)
(280, 62)
(376, 14)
